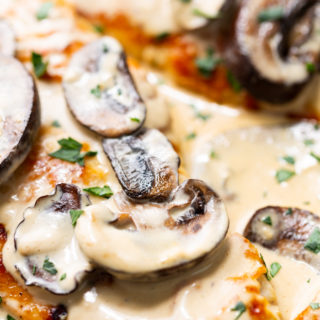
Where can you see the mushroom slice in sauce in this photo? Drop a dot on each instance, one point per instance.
(7, 39)
(149, 241)
(146, 164)
(19, 115)
(291, 232)
(49, 254)
(273, 47)
(100, 91)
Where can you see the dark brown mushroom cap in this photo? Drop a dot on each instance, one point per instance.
(270, 56)
(46, 245)
(100, 91)
(19, 115)
(7, 39)
(288, 231)
(146, 165)
(154, 240)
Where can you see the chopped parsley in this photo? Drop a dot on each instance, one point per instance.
(98, 28)
(267, 220)
(10, 317)
(202, 14)
(308, 281)
(104, 192)
(0, 300)
(75, 215)
(289, 212)
(43, 11)
(105, 48)
(274, 269)
(241, 308)
(34, 270)
(191, 136)
(311, 68)
(213, 154)
(308, 142)
(70, 151)
(234, 83)
(63, 277)
(284, 175)
(315, 305)
(313, 243)
(203, 116)
(289, 159)
(56, 124)
(49, 266)
(267, 275)
(135, 120)
(186, 1)
(207, 64)
(273, 13)
(39, 67)
(162, 36)
(96, 91)
(312, 154)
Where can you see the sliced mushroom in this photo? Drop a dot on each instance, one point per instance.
(19, 115)
(7, 39)
(148, 241)
(49, 254)
(146, 165)
(273, 47)
(100, 91)
(288, 231)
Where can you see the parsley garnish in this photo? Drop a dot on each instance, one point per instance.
(39, 67)
(213, 154)
(207, 64)
(0, 300)
(43, 11)
(75, 215)
(241, 308)
(315, 305)
(311, 68)
(200, 13)
(312, 154)
(63, 277)
(267, 275)
(96, 91)
(274, 269)
(49, 266)
(56, 124)
(186, 1)
(191, 136)
(162, 36)
(289, 212)
(34, 270)
(267, 220)
(273, 13)
(98, 28)
(313, 243)
(234, 83)
(70, 151)
(308, 142)
(10, 318)
(104, 192)
(289, 159)
(203, 116)
(135, 120)
(284, 175)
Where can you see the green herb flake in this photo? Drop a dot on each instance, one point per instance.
(70, 151)
(203, 116)
(135, 120)
(104, 192)
(310, 67)
(267, 275)
(63, 277)
(213, 154)
(96, 91)
(284, 175)
(315, 305)
(267, 220)
(313, 243)
(199, 13)
(289, 212)
(312, 154)
(49, 266)
(308, 142)
(56, 124)
(234, 83)
(191, 136)
(39, 67)
(186, 1)
(44, 10)
(98, 28)
(207, 64)
(75, 215)
(34, 270)
(273, 13)
(241, 308)
(289, 159)
(162, 36)
(274, 269)
(0, 300)
(10, 317)
(308, 281)
(316, 126)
